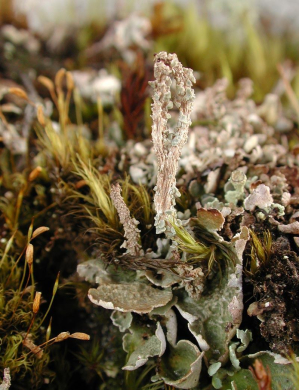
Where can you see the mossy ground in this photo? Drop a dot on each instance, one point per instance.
(69, 194)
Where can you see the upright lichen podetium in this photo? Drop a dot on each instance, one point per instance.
(168, 142)
(130, 224)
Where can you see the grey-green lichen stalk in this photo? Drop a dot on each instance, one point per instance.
(130, 224)
(6, 380)
(168, 142)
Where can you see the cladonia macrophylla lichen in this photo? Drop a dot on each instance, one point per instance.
(168, 142)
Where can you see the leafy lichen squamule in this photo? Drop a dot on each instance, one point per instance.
(168, 142)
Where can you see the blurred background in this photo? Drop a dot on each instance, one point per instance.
(107, 47)
(217, 38)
